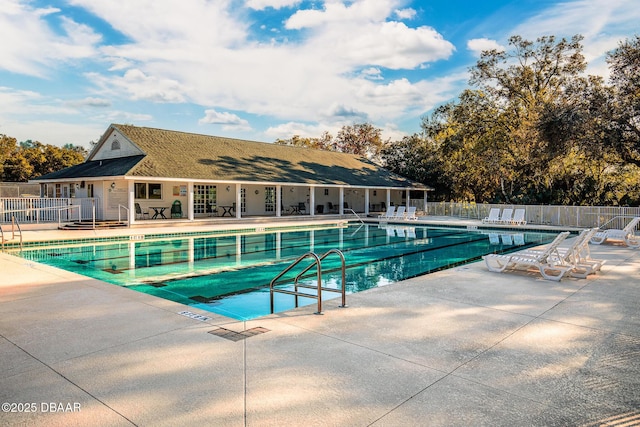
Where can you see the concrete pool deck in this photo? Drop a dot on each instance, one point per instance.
(461, 347)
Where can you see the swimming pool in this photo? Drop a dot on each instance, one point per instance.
(229, 274)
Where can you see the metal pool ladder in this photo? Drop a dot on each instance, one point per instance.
(317, 262)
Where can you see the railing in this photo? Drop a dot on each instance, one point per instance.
(317, 262)
(14, 224)
(354, 212)
(119, 216)
(569, 216)
(68, 209)
(35, 210)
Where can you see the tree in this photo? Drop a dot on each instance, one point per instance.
(31, 159)
(325, 142)
(625, 78)
(361, 139)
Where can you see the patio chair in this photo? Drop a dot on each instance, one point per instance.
(211, 209)
(411, 213)
(549, 268)
(494, 216)
(518, 217)
(626, 235)
(389, 214)
(400, 212)
(506, 217)
(176, 209)
(139, 213)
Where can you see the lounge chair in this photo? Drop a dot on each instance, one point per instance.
(627, 235)
(518, 217)
(494, 216)
(411, 213)
(577, 255)
(389, 214)
(506, 217)
(400, 212)
(549, 268)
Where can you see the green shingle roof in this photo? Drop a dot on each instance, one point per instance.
(172, 154)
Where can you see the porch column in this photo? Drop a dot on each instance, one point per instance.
(388, 198)
(131, 201)
(425, 201)
(408, 197)
(190, 214)
(366, 201)
(278, 200)
(341, 201)
(238, 201)
(312, 201)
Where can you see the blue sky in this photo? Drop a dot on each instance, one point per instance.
(263, 69)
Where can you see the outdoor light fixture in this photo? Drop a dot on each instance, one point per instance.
(113, 185)
(228, 187)
(291, 189)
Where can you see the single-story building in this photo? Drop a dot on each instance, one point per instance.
(136, 171)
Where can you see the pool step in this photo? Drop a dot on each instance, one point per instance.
(86, 225)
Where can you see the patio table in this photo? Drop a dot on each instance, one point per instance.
(158, 211)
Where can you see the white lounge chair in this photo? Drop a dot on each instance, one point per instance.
(400, 212)
(577, 255)
(494, 216)
(506, 216)
(549, 268)
(518, 217)
(627, 235)
(411, 213)
(389, 214)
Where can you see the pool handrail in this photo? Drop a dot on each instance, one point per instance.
(317, 261)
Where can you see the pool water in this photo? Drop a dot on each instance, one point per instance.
(230, 274)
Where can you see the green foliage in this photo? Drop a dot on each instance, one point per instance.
(362, 139)
(535, 130)
(30, 159)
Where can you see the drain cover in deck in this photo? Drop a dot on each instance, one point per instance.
(238, 336)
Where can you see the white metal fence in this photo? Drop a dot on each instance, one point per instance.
(570, 216)
(36, 210)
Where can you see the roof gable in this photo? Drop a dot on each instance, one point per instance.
(114, 145)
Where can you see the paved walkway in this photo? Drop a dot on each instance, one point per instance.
(463, 347)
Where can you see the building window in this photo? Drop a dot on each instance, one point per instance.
(115, 145)
(204, 198)
(269, 199)
(326, 191)
(151, 191)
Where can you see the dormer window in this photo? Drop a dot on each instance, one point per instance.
(115, 145)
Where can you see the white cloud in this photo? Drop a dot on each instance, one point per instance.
(275, 4)
(477, 46)
(139, 86)
(31, 47)
(89, 102)
(405, 13)
(230, 121)
(55, 132)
